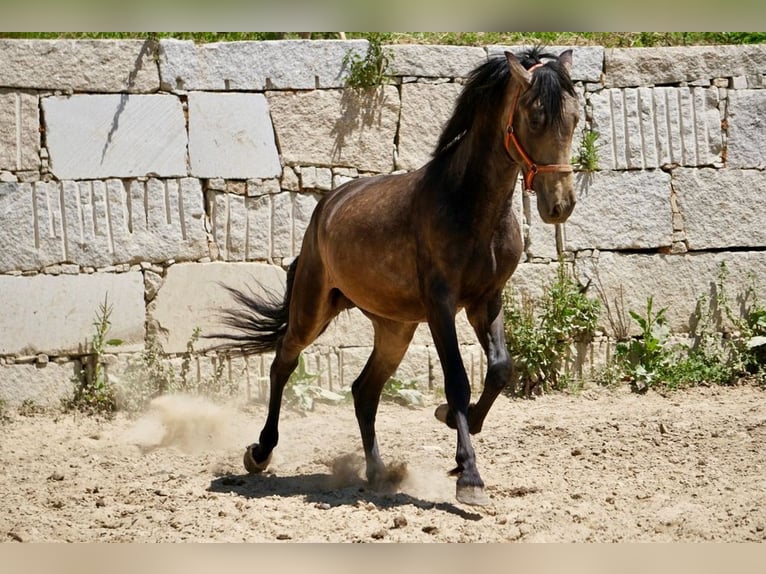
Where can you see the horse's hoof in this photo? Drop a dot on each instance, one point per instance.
(442, 414)
(472, 495)
(251, 465)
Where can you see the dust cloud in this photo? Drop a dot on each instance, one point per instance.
(189, 423)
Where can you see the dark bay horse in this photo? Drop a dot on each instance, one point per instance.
(420, 246)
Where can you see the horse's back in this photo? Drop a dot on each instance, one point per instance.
(366, 239)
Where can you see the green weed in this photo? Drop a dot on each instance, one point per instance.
(370, 71)
(93, 392)
(586, 158)
(540, 334)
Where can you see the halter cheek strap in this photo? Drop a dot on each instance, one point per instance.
(529, 167)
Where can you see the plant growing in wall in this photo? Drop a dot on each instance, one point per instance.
(370, 71)
(93, 392)
(586, 157)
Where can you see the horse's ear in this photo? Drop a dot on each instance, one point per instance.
(566, 60)
(517, 70)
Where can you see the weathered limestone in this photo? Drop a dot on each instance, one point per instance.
(622, 210)
(425, 110)
(722, 208)
(434, 61)
(674, 281)
(79, 65)
(55, 314)
(101, 223)
(231, 136)
(19, 130)
(193, 296)
(337, 127)
(655, 66)
(273, 65)
(265, 227)
(101, 136)
(587, 61)
(646, 128)
(44, 385)
(747, 128)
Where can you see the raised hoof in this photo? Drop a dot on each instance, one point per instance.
(442, 414)
(251, 465)
(472, 495)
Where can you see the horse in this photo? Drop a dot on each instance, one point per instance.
(415, 247)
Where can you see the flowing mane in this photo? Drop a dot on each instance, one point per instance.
(481, 100)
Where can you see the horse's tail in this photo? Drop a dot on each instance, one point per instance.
(258, 322)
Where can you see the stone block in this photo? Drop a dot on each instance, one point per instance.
(44, 385)
(19, 131)
(434, 61)
(55, 314)
(337, 127)
(101, 136)
(722, 208)
(646, 128)
(587, 61)
(425, 110)
(193, 296)
(272, 65)
(79, 65)
(622, 210)
(97, 223)
(625, 67)
(231, 136)
(674, 281)
(747, 128)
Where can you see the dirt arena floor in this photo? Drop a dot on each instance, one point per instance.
(600, 466)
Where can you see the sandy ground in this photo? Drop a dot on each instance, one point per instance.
(603, 465)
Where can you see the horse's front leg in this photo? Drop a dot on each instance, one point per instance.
(441, 320)
(487, 321)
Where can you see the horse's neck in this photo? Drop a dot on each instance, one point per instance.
(494, 181)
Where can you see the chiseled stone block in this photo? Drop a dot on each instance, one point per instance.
(101, 223)
(19, 131)
(646, 128)
(102, 136)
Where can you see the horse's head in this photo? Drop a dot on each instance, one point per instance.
(540, 121)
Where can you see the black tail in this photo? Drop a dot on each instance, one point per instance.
(258, 322)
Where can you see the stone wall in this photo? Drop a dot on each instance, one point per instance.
(148, 173)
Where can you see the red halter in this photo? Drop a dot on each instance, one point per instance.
(529, 167)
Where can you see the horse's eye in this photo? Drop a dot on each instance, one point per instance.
(537, 118)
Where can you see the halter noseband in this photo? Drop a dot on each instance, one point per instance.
(529, 167)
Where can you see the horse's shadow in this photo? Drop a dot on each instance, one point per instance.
(321, 489)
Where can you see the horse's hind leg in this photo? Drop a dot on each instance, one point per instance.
(391, 342)
(312, 306)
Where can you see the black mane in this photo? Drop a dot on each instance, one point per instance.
(483, 93)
